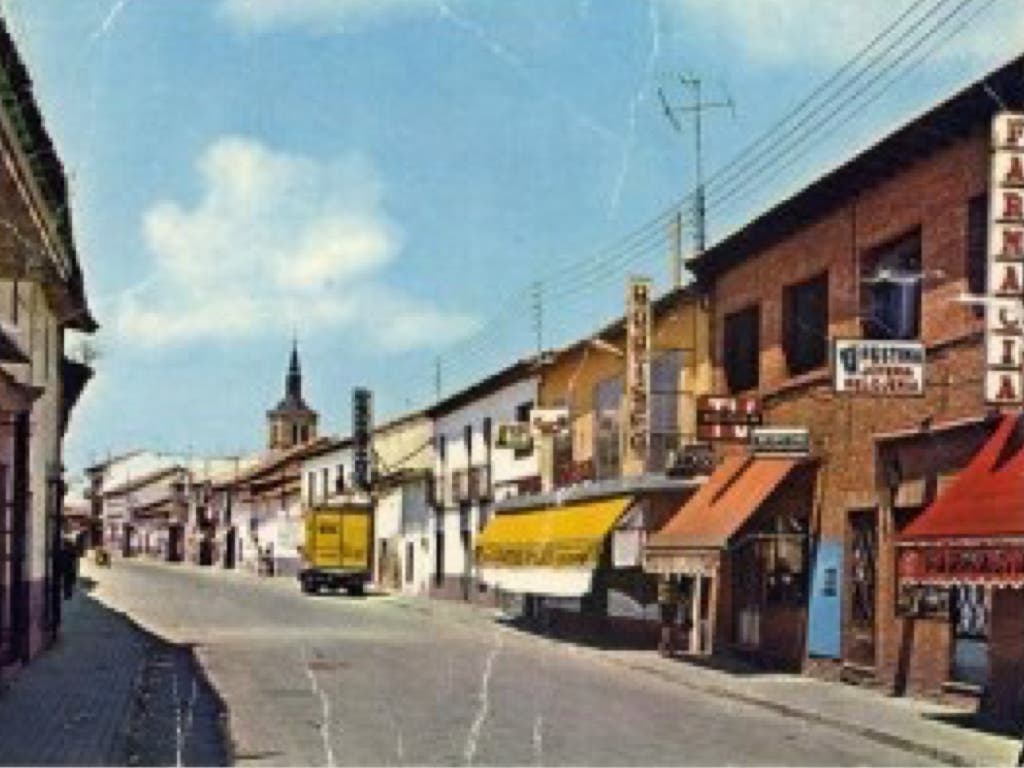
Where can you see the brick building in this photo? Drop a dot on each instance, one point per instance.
(881, 252)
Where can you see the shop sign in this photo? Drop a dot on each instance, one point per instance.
(549, 419)
(1004, 310)
(961, 563)
(638, 371)
(780, 440)
(727, 418)
(874, 367)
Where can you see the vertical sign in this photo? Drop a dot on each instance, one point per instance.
(638, 375)
(362, 434)
(1004, 310)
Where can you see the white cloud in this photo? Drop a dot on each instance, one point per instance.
(276, 241)
(785, 32)
(318, 15)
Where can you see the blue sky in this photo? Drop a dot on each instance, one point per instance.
(387, 178)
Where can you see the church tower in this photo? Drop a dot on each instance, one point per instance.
(292, 422)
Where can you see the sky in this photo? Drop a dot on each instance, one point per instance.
(391, 180)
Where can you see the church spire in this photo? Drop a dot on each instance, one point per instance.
(293, 382)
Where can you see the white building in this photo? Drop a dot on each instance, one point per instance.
(404, 464)
(470, 472)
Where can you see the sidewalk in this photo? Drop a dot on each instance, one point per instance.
(100, 696)
(930, 729)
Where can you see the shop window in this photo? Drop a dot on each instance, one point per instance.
(891, 290)
(805, 325)
(742, 348)
(977, 249)
(785, 569)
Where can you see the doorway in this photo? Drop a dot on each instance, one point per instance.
(230, 544)
(861, 586)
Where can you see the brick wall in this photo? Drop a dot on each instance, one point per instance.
(932, 195)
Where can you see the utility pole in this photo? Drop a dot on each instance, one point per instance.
(537, 294)
(696, 107)
(675, 256)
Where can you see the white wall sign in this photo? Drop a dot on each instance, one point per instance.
(1004, 312)
(780, 440)
(638, 371)
(875, 367)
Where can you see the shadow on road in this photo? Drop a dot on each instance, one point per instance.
(157, 708)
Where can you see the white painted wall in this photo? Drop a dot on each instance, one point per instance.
(500, 406)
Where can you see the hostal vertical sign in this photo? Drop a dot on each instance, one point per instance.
(1004, 311)
(638, 372)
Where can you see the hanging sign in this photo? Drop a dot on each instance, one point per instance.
(727, 418)
(875, 367)
(1004, 310)
(638, 372)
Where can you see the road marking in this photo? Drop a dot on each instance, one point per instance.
(485, 700)
(325, 710)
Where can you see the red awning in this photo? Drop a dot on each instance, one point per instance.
(732, 494)
(974, 531)
(987, 498)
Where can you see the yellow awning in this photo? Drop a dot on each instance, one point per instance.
(569, 536)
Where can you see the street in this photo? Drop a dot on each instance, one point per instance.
(386, 680)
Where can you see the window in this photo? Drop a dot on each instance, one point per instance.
(977, 249)
(666, 396)
(742, 348)
(441, 447)
(891, 290)
(523, 417)
(410, 559)
(325, 484)
(487, 432)
(467, 437)
(607, 404)
(311, 487)
(295, 434)
(339, 479)
(805, 325)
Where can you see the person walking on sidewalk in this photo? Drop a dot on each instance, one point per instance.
(668, 604)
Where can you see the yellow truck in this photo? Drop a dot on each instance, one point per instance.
(338, 548)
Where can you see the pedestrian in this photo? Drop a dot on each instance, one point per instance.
(668, 604)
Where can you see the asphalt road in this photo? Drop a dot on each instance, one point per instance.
(333, 680)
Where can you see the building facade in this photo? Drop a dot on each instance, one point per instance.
(470, 472)
(839, 314)
(42, 296)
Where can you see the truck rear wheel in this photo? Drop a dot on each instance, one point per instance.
(308, 586)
